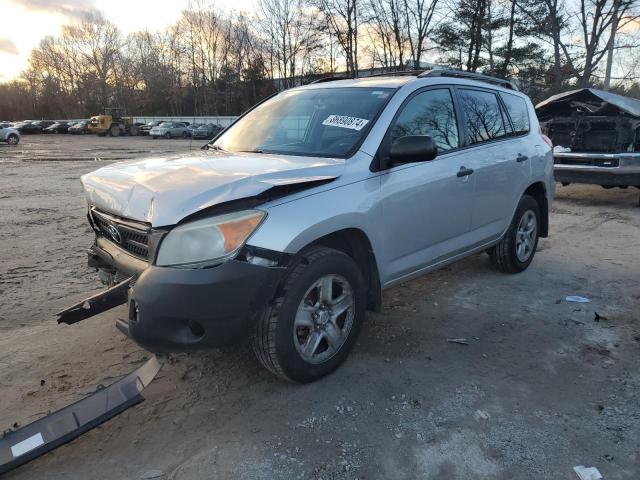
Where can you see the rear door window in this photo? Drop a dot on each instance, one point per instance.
(518, 112)
(429, 113)
(483, 117)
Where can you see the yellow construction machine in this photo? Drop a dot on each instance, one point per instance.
(112, 124)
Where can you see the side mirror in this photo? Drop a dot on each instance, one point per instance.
(413, 148)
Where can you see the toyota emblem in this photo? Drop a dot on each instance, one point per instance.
(114, 233)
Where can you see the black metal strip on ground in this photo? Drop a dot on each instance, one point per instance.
(23, 445)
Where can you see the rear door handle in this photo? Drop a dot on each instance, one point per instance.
(464, 171)
(521, 158)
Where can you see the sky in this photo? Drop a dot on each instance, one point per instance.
(23, 23)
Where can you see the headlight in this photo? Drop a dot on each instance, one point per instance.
(209, 240)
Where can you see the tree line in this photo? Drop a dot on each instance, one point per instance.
(213, 61)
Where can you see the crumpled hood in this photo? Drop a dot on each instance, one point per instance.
(164, 190)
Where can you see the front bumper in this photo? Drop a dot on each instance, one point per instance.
(606, 169)
(181, 309)
(173, 309)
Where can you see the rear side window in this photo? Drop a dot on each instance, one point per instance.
(483, 116)
(429, 113)
(518, 112)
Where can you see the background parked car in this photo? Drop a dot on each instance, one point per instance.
(207, 131)
(80, 127)
(28, 128)
(58, 127)
(9, 135)
(144, 129)
(44, 123)
(170, 130)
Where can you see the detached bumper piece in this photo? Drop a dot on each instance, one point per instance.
(23, 445)
(101, 302)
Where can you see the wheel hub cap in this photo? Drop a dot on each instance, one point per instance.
(324, 319)
(526, 235)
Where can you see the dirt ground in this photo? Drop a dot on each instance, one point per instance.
(540, 388)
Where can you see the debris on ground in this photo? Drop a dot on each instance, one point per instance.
(587, 473)
(597, 317)
(153, 475)
(459, 341)
(577, 299)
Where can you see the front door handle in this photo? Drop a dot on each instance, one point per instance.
(464, 171)
(521, 158)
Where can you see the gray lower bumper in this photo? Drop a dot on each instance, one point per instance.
(608, 169)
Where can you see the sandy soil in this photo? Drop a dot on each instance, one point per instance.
(541, 386)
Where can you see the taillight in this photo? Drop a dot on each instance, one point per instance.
(547, 140)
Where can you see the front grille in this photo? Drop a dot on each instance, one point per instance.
(131, 236)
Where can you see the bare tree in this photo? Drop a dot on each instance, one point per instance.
(292, 33)
(600, 21)
(420, 22)
(343, 19)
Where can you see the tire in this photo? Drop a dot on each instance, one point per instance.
(155, 137)
(279, 340)
(13, 139)
(167, 135)
(133, 130)
(185, 134)
(505, 256)
(114, 131)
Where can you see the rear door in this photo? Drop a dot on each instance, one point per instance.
(426, 206)
(495, 154)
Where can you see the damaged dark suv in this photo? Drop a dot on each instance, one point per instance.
(596, 137)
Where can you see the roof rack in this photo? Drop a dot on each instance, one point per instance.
(328, 79)
(470, 75)
(397, 73)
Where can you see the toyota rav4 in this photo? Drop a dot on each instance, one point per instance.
(287, 226)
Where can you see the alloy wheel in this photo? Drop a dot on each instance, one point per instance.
(526, 235)
(324, 319)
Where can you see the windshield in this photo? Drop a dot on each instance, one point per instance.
(315, 122)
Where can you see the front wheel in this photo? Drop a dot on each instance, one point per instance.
(515, 252)
(309, 330)
(167, 135)
(13, 139)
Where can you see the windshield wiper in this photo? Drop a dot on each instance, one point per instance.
(215, 147)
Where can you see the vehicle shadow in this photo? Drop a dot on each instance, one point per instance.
(595, 195)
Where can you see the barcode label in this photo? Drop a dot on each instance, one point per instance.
(343, 121)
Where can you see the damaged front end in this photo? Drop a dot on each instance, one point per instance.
(596, 135)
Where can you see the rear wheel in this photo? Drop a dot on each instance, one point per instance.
(185, 134)
(114, 131)
(155, 137)
(13, 139)
(309, 330)
(167, 135)
(515, 252)
(133, 130)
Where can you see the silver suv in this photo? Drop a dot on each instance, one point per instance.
(288, 226)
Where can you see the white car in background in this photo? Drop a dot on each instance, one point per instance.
(9, 135)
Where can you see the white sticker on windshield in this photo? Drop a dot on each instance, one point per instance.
(342, 121)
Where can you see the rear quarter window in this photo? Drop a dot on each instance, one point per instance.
(518, 112)
(483, 115)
